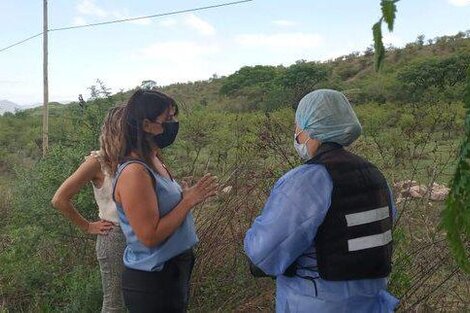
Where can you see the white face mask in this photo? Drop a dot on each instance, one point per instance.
(301, 148)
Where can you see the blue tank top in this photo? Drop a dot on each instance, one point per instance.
(137, 255)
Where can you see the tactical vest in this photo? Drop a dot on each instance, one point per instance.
(355, 239)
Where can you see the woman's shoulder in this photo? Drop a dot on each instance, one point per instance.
(134, 169)
(98, 157)
(132, 166)
(95, 154)
(92, 162)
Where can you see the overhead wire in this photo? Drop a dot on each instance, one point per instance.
(130, 19)
(20, 42)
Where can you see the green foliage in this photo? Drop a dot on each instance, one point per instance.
(48, 261)
(388, 15)
(253, 86)
(268, 88)
(400, 278)
(43, 272)
(252, 89)
(378, 45)
(247, 76)
(389, 9)
(148, 84)
(44, 180)
(442, 74)
(301, 78)
(456, 216)
(439, 73)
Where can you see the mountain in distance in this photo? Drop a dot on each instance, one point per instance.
(8, 106)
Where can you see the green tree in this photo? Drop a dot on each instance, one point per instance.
(442, 74)
(302, 77)
(252, 86)
(250, 76)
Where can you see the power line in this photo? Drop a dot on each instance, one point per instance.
(20, 42)
(150, 16)
(129, 20)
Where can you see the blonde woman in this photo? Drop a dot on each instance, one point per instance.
(98, 169)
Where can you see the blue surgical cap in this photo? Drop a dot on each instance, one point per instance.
(326, 115)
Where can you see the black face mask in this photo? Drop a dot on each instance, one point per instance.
(170, 130)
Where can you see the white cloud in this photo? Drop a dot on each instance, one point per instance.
(175, 61)
(281, 40)
(278, 48)
(284, 23)
(177, 51)
(167, 22)
(203, 27)
(88, 7)
(78, 20)
(459, 3)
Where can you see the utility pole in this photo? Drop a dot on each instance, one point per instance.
(45, 113)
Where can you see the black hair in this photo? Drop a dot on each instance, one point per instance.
(143, 104)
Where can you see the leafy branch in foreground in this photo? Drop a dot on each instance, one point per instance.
(456, 215)
(389, 9)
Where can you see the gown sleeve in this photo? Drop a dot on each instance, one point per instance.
(290, 219)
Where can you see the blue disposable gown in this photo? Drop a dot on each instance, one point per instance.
(285, 232)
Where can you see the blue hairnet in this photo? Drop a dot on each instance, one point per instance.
(326, 115)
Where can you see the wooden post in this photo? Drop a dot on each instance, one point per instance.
(45, 113)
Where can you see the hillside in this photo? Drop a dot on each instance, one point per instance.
(422, 71)
(250, 88)
(353, 74)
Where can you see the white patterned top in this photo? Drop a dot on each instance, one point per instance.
(103, 195)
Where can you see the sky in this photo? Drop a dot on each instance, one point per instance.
(193, 46)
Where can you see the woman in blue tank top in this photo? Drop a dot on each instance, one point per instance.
(154, 210)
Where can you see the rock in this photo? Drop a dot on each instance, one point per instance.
(405, 184)
(411, 188)
(439, 192)
(416, 191)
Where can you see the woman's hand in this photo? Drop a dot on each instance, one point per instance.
(101, 227)
(90, 170)
(205, 188)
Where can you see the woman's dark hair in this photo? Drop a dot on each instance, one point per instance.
(143, 104)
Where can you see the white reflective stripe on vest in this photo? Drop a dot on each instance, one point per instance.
(368, 242)
(367, 217)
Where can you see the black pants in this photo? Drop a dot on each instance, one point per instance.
(164, 291)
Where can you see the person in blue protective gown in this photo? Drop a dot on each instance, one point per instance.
(325, 230)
